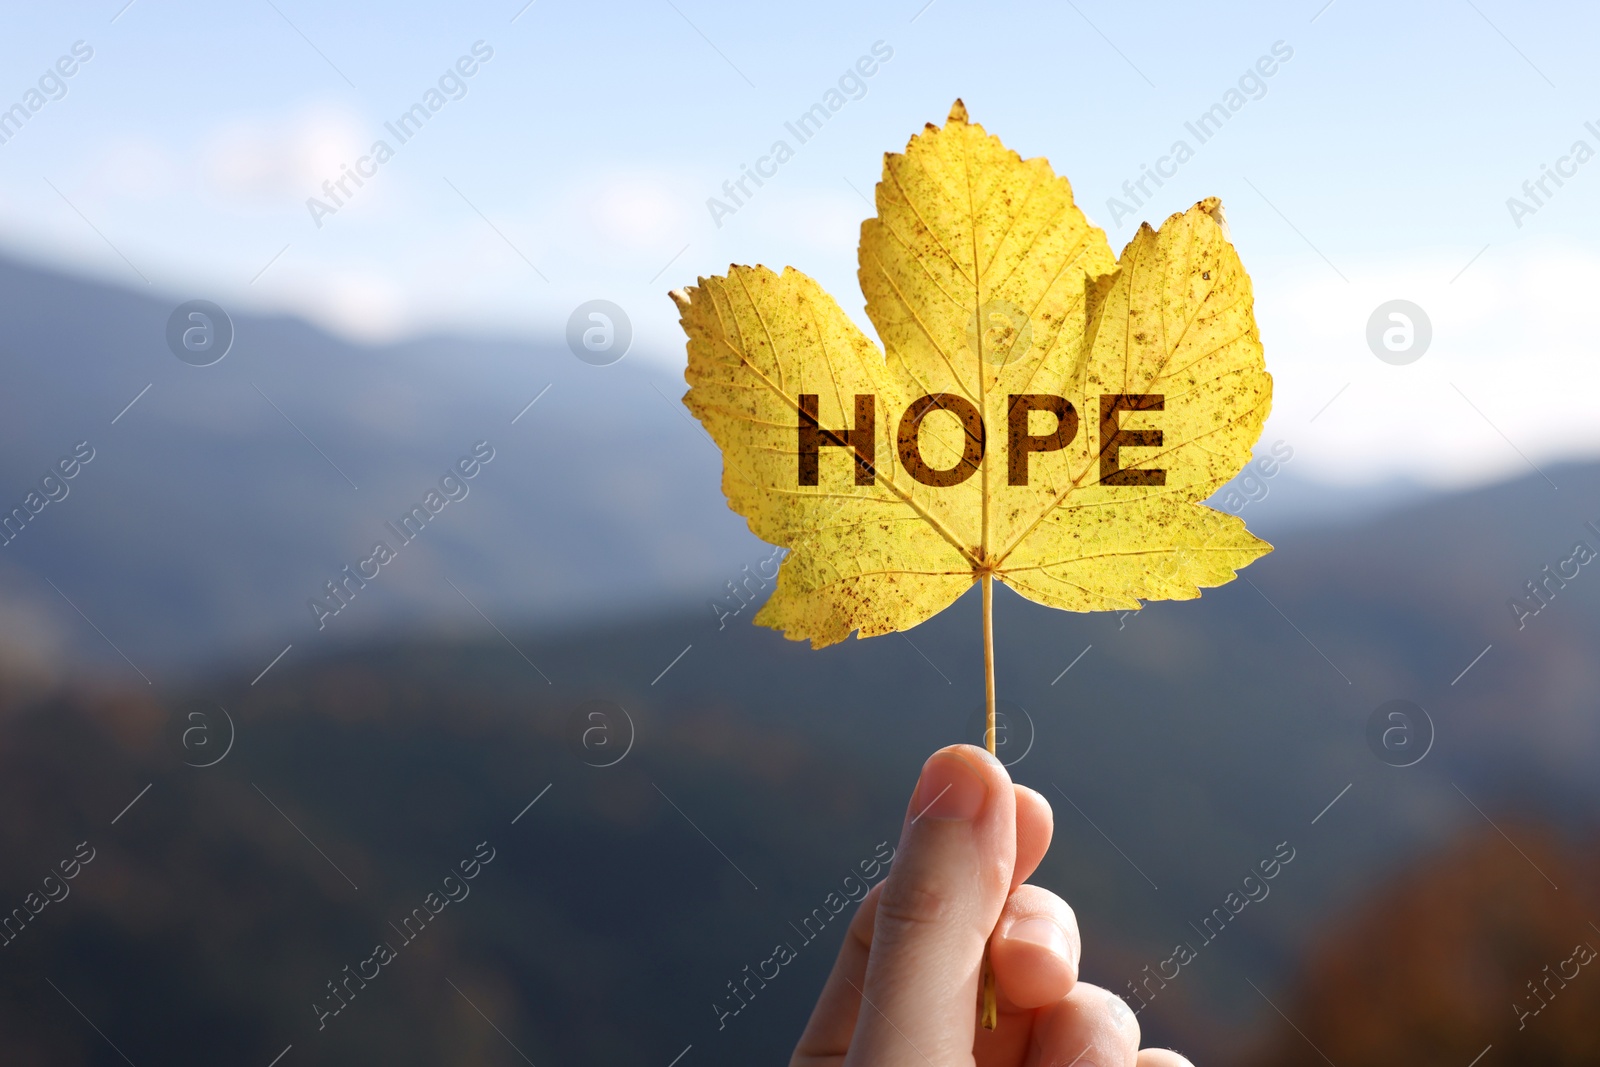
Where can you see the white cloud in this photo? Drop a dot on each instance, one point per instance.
(1510, 378)
(269, 160)
(637, 211)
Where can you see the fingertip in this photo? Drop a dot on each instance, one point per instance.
(1035, 949)
(1034, 797)
(952, 786)
(1033, 963)
(980, 756)
(1161, 1057)
(1035, 827)
(1034, 813)
(962, 782)
(1093, 1024)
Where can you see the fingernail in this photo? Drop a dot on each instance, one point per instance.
(1041, 932)
(949, 789)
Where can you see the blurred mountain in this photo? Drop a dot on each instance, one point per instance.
(1472, 952)
(1183, 746)
(225, 497)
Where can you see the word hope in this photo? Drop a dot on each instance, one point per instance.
(1021, 442)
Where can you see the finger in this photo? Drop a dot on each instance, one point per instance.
(1034, 952)
(827, 1033)
(1010, 1040)
(1035, 826)
(939, 904)
(1035, 948)
(833, 1020)
(1091, 1027)
(1161, 1057)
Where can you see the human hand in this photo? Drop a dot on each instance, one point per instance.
(904, 990)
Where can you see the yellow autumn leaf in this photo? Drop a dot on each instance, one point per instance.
(1041, 413)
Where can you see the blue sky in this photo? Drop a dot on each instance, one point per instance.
(1374, 164)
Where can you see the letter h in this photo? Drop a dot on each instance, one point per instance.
(862, 438)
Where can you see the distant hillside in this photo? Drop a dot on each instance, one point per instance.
(224, 499)
(1469, 953)
(1182, 746)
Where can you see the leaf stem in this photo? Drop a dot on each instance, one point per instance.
(988, 661)
(989, 1016)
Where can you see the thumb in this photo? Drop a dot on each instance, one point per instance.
(940, 903)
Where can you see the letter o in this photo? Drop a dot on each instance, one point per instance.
(972, 445)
